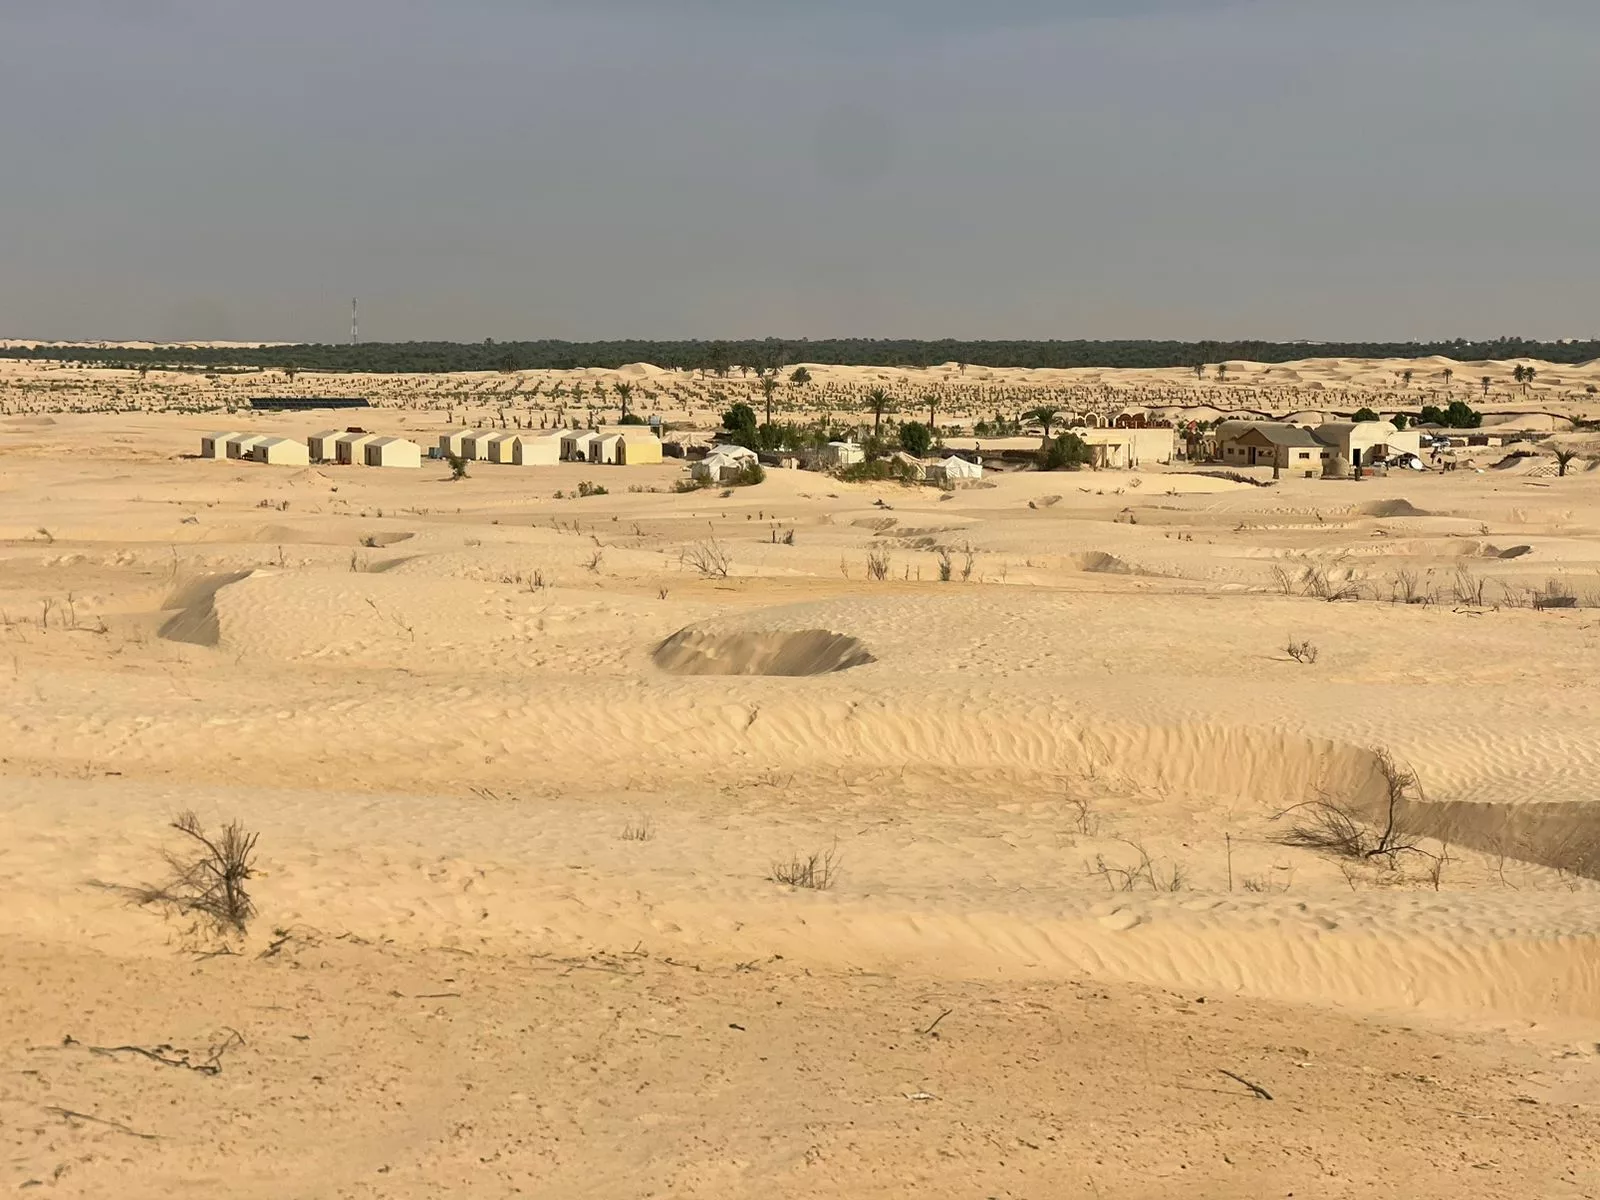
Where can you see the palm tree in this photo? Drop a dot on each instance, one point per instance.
(1222, 372)
(769, 385)
(933, 407)
(624, 389)
(878, 400)
(800, 376)
(1448, 376)
(1485, 382)
(1525, 377)
(1046, 417)
(1406, 375)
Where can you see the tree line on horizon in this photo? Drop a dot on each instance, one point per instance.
(772, 354)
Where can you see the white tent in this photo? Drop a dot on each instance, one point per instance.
(954, 468)
(713, 468)
(213, 445)
(392, 452)
(606, 448)
(280, 452)
(320, 445)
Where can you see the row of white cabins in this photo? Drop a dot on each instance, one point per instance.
(631, 447)
(330, 445)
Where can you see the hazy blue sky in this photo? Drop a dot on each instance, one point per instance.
(921, 168)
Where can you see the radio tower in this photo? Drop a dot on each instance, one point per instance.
(355, 335)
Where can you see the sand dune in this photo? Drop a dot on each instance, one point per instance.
(522, 767)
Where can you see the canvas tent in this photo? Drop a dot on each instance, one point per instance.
(953, 468)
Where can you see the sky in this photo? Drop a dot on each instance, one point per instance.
(594, 169)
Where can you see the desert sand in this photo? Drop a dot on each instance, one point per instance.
(523, 768)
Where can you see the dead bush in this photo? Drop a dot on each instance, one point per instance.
(207, 877)
(1316, 581)
(1338, 828)
(1468, 587)
(641, 830)
(817, 871)
(878, 564)
(1302, 652)
(1144, 872)
(710, 558)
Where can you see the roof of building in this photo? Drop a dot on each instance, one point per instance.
(1340, 428)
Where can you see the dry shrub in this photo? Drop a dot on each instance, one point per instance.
(207, 877)
(641, 830)
(710, 558)
(1317, 582)
(878, 564)
(817, 871)
(1143, 872)
(1338, 828)
(1302, 652)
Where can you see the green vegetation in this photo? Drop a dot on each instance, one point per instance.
(1457, 415)
(915, 438)
(719, 357)
(1066, 452)
(1366, 414)
(770, 354)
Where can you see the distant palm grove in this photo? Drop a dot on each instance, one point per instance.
(720, 357)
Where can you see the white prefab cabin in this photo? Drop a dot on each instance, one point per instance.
(320, 445)
(392, 452)
(280, 452)
(350, 448)
(214, 445)
(239, 444)
(538, 450)
(575, 444)
(451, 443)
(475, 444)
(502, 448)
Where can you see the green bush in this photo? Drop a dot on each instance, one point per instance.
(878, 470)
(748, 474)
(1065, 451)
(915, 438)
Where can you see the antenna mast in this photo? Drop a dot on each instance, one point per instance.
(355, 334)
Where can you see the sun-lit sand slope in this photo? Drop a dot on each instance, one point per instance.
(522, 768)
